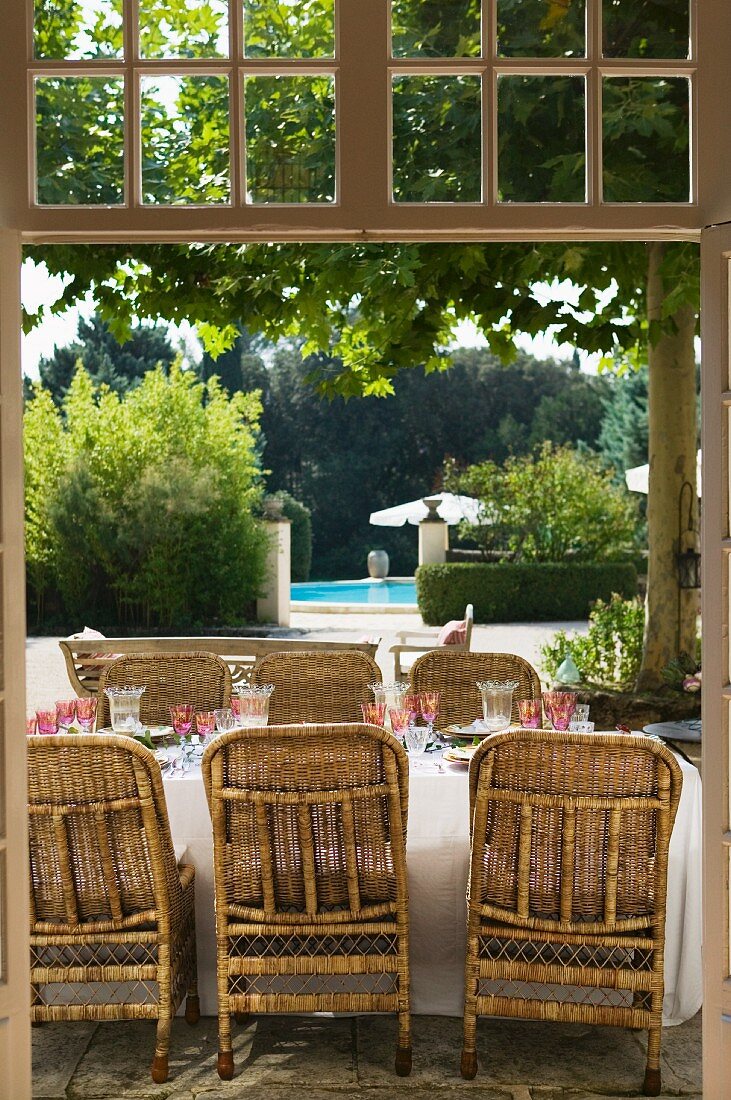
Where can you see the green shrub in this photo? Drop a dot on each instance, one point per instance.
(150, 521)
(300, 517)
(610, 653)
(554, 504)
(504, 592)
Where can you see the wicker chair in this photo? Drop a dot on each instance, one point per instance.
(201, 678)
(309, 833)
(316, 686)
(455, 675)
(567, 887)
(109, 905)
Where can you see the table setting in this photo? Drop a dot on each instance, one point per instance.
(438, 835)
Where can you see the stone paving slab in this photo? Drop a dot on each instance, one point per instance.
(57, 1051)
(279, 1058)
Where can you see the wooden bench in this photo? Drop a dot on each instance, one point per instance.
(84, 662)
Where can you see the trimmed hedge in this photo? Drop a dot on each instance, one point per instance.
(301, 534)
(505, 592)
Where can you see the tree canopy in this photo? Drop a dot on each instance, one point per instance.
(119, 366)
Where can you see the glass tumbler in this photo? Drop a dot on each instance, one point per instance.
(47, 721)
(225, 719)
(253, 704)
(560, 706)
(124, 708)
(497, 703)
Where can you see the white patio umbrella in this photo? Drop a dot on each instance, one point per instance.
(638, 478)
(450, 507)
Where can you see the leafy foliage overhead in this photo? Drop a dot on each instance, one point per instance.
(374, 309)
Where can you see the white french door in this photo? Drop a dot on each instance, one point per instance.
(14, 987)
(716, 541)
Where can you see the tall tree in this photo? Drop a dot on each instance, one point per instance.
(120, 366)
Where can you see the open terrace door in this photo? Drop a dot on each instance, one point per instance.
(372, 74)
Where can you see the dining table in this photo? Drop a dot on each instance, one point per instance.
(437, 851)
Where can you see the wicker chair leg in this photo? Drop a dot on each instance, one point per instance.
(652, 1085)
(402, 1062)
(225, 1051)
(225, 1064)
(159, 1067)
(192, 1009)
(468, 1063)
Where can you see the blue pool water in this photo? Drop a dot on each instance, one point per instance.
(365, 592)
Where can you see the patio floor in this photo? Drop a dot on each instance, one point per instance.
(278, 1058)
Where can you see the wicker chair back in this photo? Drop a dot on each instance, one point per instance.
(200, 678)
(317, 686)
(455, 675)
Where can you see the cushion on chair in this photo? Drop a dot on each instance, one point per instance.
(89, 633)
(453, 633)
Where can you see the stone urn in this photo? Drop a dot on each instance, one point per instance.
(378, 564)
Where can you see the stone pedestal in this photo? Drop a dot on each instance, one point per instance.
(274, 606)
(433, 541)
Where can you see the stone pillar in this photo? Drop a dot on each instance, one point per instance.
(433, 536)
(274, 606)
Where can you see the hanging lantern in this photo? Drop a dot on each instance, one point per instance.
(688, 557)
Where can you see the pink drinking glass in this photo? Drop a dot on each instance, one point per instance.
(400, 720)
(31, 725)
(86, 712)
(429, 707)
(181, 716)
(374, 713)
(530, 713)
(412, 703)
(562, 706)
(65, 713)
(236, 707)
(47, 721)
(205, 723)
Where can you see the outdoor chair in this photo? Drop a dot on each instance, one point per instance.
(317, 686)
(566, 895)
(455, 675)
(112, 921)
(456, 635)
(201, 678)
(309, 833)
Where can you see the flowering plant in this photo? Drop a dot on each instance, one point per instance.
(692, 683)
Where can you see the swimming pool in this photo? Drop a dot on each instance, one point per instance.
(364, 594)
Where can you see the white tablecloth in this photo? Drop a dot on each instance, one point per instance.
(438, 859)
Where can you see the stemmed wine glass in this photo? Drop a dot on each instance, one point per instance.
(400, 721)
(181, 716)
(65, 714)
(429, 707)
(374, 714)
(205, 723)
(86, 712)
